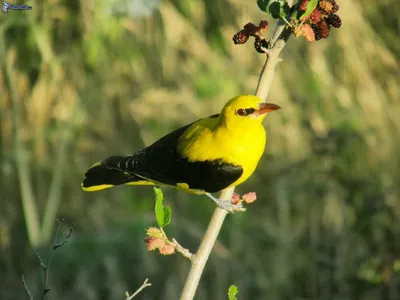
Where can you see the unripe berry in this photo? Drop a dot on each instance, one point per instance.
(303, 5)
(235, 198)
(154, 232)
(250, 197)
(315, 16)
(154, 243)
(325, 6)
(167, 249)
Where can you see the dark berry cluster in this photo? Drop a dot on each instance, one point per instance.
(240, 38)
(321, 20)
(261, 43)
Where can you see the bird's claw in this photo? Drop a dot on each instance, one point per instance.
(227, 205)
(230, 207)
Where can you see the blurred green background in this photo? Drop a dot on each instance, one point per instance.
(82, 80)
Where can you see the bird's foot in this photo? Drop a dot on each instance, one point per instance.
(227, 204)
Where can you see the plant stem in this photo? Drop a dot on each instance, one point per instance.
(267, 75)
(28, 292)
(29, 205)
(54, 196)
(199, 260)
(278, 41)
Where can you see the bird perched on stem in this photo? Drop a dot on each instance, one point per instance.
(204, 157)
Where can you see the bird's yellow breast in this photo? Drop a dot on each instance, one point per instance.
(207, 139)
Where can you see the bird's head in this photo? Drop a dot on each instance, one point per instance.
(246, 110)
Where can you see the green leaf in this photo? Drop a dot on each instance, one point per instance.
(167, 216)
(285, 10)
(163, 213)
(159, 209)
(232, 292)
(263, 4)
(276, 8)
(311, 5)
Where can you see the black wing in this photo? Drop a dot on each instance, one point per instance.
(162, 163)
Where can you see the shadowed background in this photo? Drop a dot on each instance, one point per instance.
(82, 80)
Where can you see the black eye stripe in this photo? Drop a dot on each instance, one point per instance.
(249, 111)
(244, 112)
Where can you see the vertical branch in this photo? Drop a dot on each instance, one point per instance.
(54, 196)
(278, 40)
(267, 75)
(199, 260)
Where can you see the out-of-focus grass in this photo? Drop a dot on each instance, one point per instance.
(96, 84)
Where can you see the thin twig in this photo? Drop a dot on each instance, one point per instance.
(144, 285)
(56, 245)
(179, 248)
(26, 287)
(66, 237)
(46, 267)
(45, 272)
(199, 260)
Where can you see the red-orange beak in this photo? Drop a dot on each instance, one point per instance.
(264, 108)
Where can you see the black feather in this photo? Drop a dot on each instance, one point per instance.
(161, 163)
(99, 175)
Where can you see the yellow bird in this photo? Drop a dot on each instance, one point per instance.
(204, 157)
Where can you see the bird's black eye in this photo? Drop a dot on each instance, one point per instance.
(241, 112)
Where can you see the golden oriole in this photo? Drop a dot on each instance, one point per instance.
(204, 157)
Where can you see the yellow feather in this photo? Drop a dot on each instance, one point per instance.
(185, 187)
(141, 182)
(98, 163)
(232, 138)
(96, 188)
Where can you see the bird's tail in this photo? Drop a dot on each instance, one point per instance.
(99, 177)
